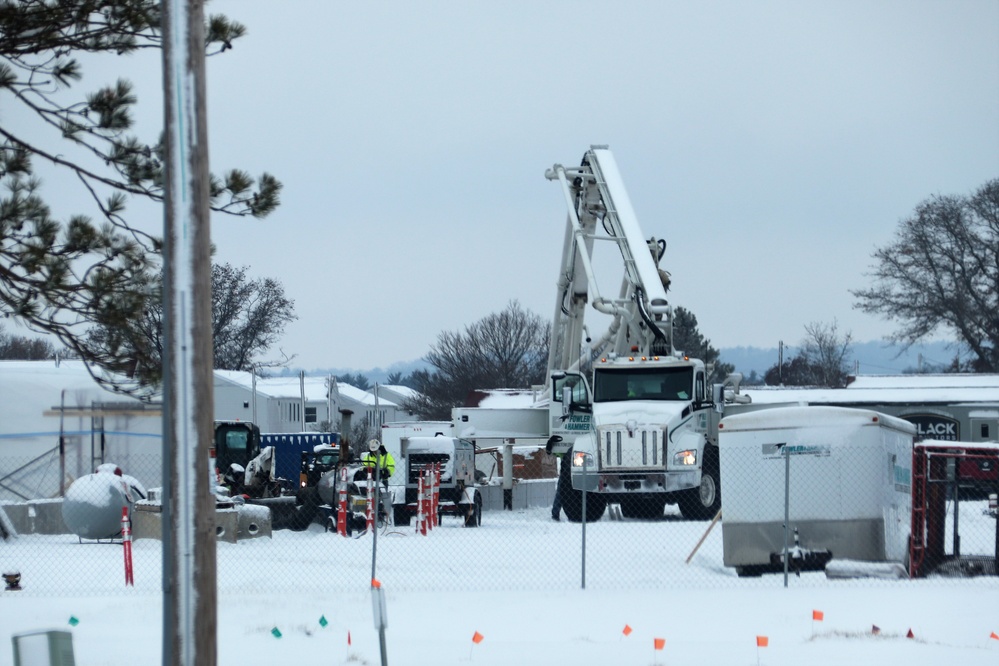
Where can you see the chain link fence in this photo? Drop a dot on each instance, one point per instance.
(848, 517)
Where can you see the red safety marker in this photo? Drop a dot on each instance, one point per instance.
(369, 513)
(341, 517)
(421, 518)
(126, 541)
(436, 501)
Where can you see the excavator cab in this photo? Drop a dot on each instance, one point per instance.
(236, 442)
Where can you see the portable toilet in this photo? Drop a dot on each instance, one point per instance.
(843, 475)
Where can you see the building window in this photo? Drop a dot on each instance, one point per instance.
(985, 431)
(310, 414)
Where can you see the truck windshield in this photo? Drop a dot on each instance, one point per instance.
(642, 384)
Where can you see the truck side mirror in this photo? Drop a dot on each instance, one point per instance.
(718, 396)
(566, 400)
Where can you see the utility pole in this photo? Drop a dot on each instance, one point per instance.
(188, 518)
(780, 363)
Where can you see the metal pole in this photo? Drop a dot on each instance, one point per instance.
(62, 445)
(189, 560)
(301, 390)
(253, 376)
(787, 505)
(583, 564)
(374, 538)
(507, 476)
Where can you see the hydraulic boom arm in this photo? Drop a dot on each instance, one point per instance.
(599, 210)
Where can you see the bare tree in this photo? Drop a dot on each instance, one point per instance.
(248, 318)
(942, 272)
(827, 353)
(822, 360)
(503, 350)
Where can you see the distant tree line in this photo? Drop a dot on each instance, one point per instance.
(23, 348)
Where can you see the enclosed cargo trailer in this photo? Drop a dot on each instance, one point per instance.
(843, 476)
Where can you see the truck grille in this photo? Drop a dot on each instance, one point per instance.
(642, 448)
(419, 462)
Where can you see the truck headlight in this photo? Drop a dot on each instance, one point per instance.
(685, 457)
(581, 458)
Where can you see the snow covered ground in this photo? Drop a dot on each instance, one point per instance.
(515, 581)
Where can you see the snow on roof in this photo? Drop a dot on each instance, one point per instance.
(820, 416)
(506, 398)
(925, 381)
(291, 387)
(400, 389)
(31, 388)
(888, 389)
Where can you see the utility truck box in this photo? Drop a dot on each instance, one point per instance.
(844, 476)
(395, 438)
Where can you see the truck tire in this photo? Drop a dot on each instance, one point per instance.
(401, 515)
(644, 507)
(306, 511)
(703, 502)
(474, 517)
(572, 499)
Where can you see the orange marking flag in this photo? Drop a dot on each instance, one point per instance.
(627, 630)
(477, 638)
(994, 635)
(659, 643)
(818, 615)
(762, 641)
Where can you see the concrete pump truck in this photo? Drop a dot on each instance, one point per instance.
(634, 418)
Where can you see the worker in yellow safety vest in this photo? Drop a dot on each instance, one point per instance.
(379, 458)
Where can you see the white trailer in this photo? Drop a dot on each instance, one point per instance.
(843, 475)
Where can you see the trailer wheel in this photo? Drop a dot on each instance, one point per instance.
(751, 571)
(474, 517)
(703, 502)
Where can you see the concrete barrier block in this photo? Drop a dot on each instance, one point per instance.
(17, 514)
(46, 516)
(147, 520)
(227, 525)
(253, 521)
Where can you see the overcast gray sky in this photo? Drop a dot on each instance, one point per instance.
(774, 145)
